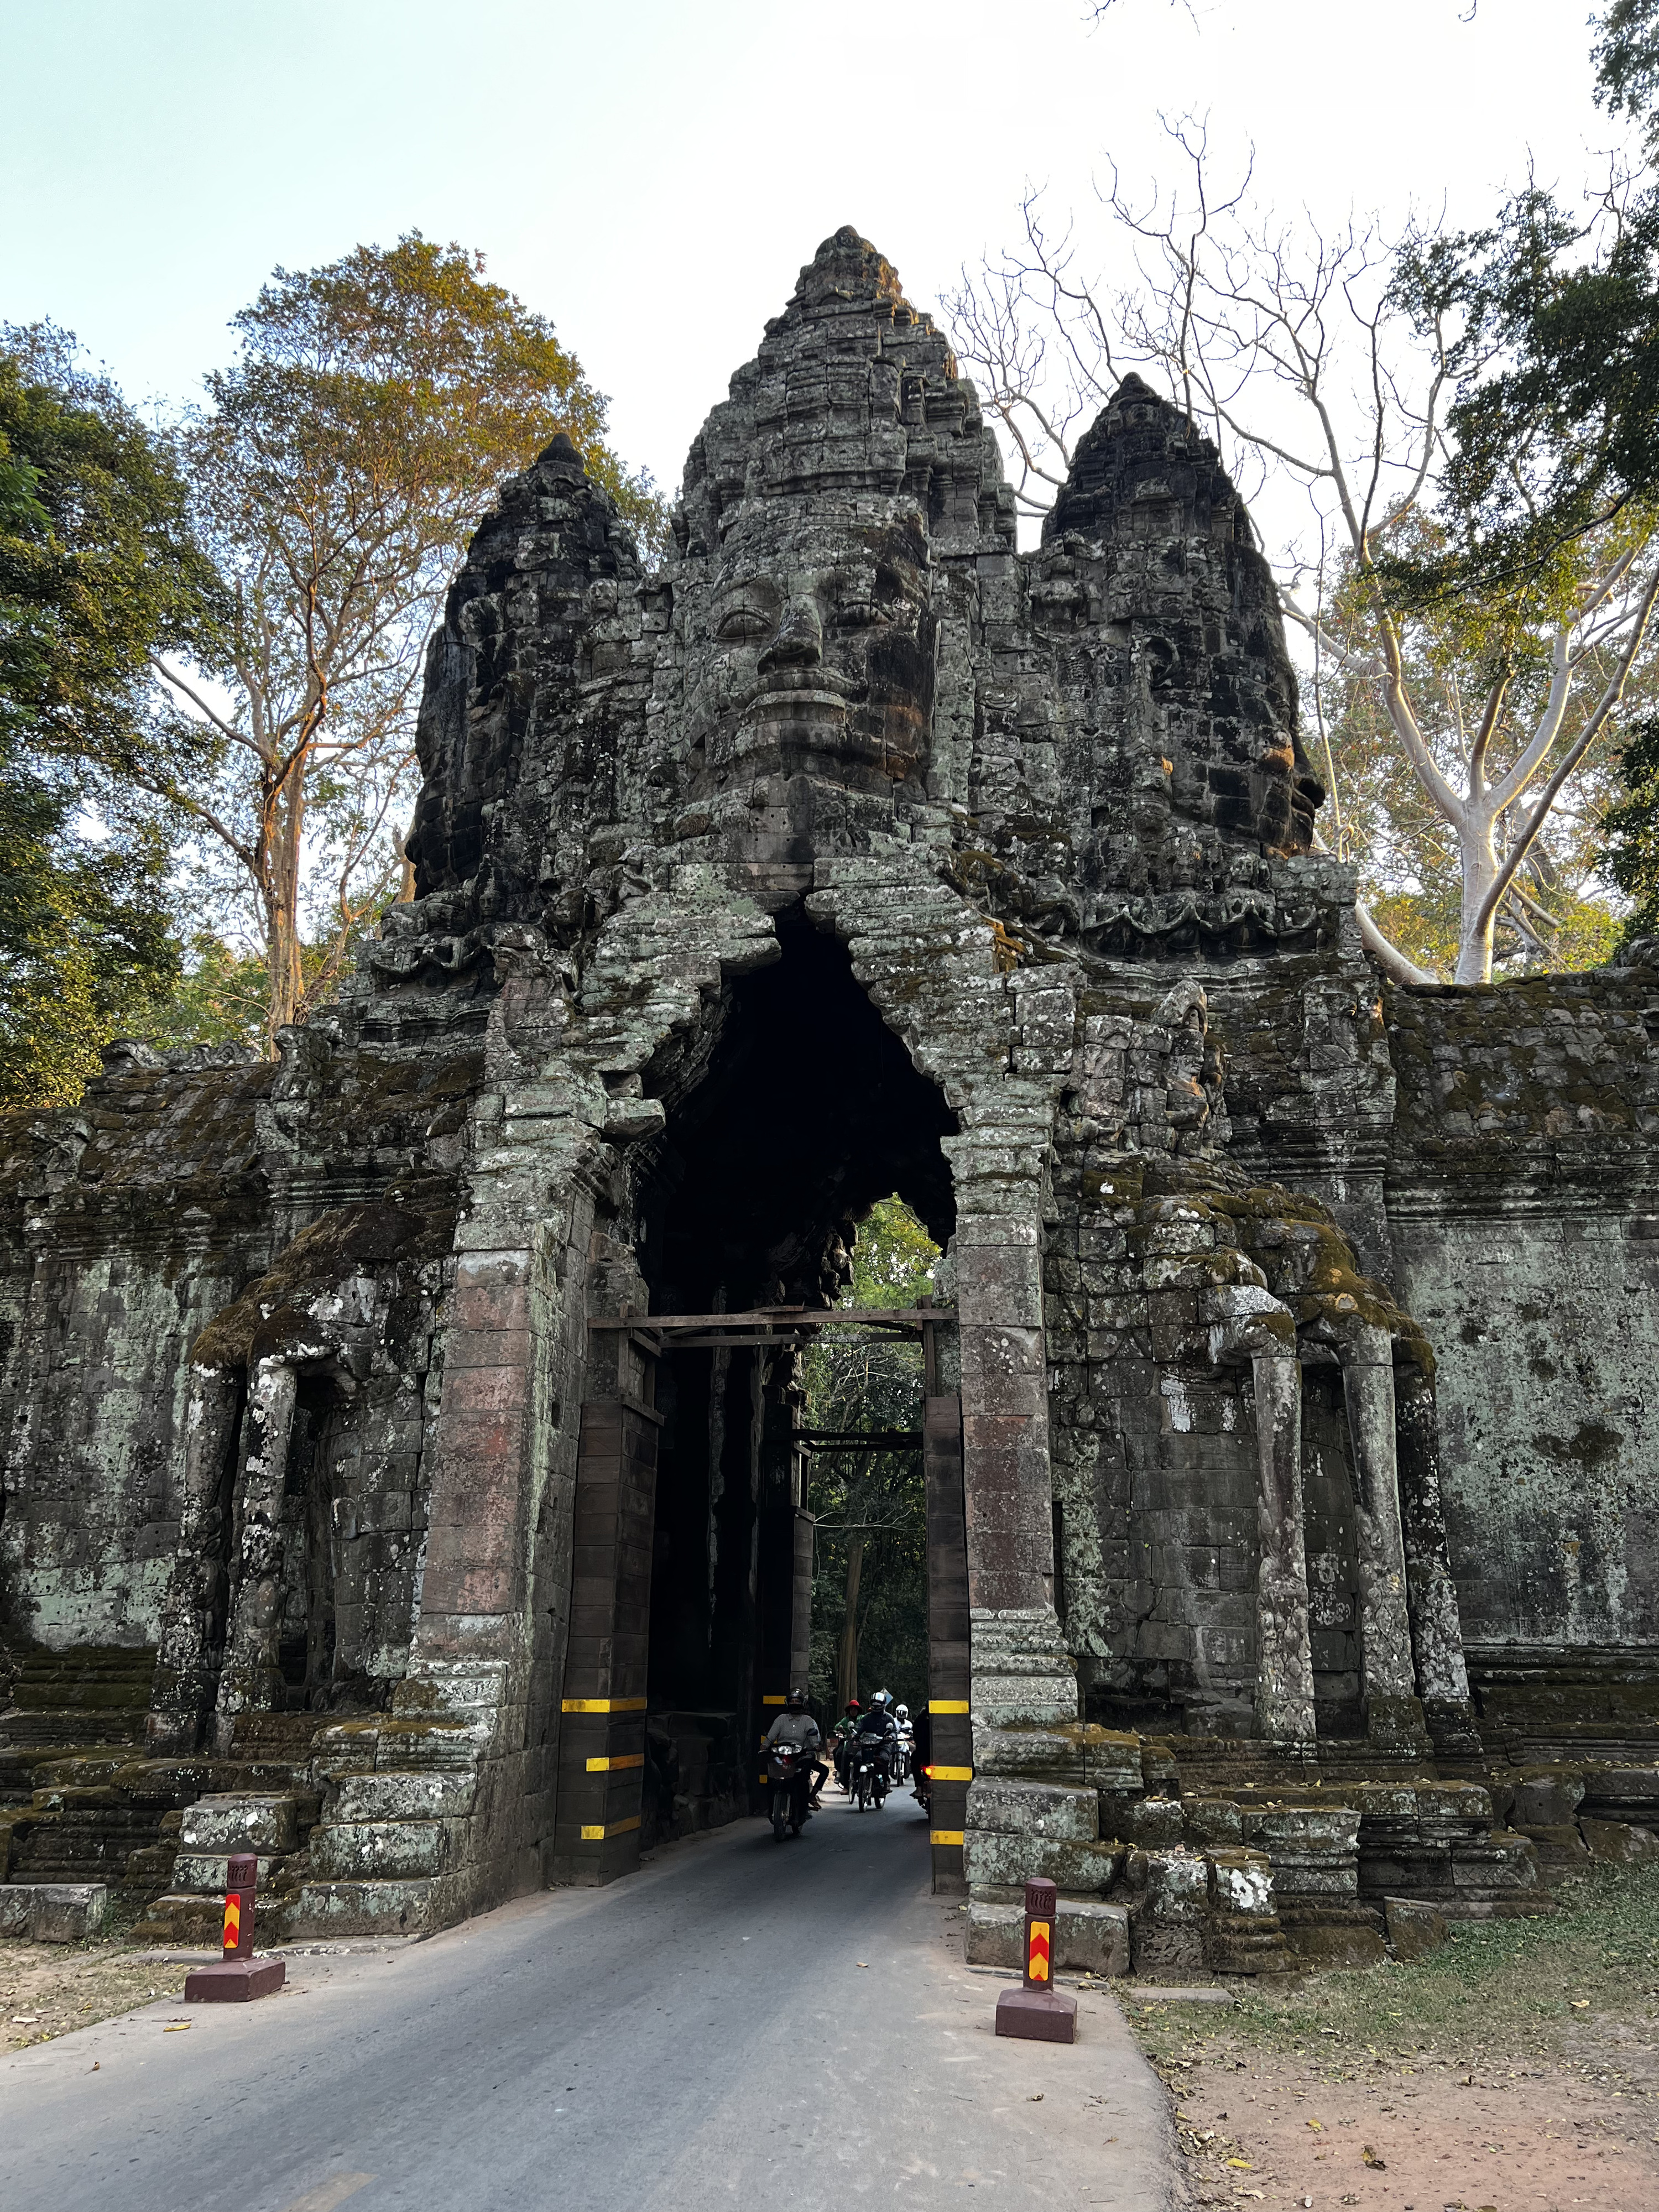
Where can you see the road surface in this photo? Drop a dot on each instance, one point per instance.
(741, 2022)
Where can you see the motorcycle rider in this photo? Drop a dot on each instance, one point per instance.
(795, 1725)
(906, 1742)
(878, 1729)
(847, 1728)
(922, 1757)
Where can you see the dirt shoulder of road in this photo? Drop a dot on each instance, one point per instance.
(1516, 2069)
(48, 1989)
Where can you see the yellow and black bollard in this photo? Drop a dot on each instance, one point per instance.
(1038, 2011)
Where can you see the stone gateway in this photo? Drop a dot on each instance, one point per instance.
(403, 1459)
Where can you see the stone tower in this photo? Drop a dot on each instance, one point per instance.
(852, 850)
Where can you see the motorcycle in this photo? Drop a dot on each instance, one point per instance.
(924, 1789)
(868, 1770)
(789, 1779)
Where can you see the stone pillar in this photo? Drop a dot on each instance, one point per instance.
(1394, 1718)
(602, 1733)
(949, 1728)
(192, 1616)
(1284, 1678)
(251, 1678)
(1022, 1671)
(1443, 1679)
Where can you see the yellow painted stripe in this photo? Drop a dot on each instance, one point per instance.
(946, 1836)
(605, 1705)
(614, 1766)
(951, 1773)
(775, 1701)
(617, 1828)
(947, 1705)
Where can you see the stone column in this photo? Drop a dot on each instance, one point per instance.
(1022, 1672)
(251, 1678)
(183, 1694)
(1437, 1626)
(1284, 1679)
(1394, 1718)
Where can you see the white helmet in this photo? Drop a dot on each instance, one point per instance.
(904, 1712)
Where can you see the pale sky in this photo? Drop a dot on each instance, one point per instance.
(651, 174)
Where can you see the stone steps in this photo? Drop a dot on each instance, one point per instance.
(92, 1695)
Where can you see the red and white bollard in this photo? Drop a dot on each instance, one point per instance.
(239, 1975)
(1038, 2012)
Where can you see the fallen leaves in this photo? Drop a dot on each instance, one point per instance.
(1318, 2126)
(1378, 2164)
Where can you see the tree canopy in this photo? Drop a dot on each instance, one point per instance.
(99, 569)
(870, 1591)
(336, 474)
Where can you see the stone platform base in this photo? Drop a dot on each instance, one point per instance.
(1037, 2015)
(235, 1981)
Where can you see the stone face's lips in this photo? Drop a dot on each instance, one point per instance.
(813, 705)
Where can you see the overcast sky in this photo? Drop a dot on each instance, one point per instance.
(651, 173)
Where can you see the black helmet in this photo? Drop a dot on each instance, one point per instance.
(796, 1701)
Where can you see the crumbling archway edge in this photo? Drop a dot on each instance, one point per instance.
(482, 1701)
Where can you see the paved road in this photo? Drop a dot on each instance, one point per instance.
(739, 2018)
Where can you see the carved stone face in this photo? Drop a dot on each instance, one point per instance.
(810, 651)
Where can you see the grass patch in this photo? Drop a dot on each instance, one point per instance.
(1546, 1989)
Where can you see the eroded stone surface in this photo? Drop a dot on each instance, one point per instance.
(1299, 1322)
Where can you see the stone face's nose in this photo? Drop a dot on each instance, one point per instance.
(797, 641)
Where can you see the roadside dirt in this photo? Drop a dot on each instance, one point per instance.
(1410, 2129)
(47, 1989)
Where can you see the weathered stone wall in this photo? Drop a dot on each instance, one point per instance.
(853, 849)
(126, 1226)
(1523, 1202)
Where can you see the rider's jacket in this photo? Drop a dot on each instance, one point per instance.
(798, 1728)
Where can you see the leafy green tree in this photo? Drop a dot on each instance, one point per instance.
(97, 571)
(870, 1597)
(1633, 824)
(338, 472)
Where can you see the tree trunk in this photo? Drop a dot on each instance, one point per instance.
(846, 1647)
(1479, 870)
(286, 978)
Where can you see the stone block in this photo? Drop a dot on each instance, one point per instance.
(1546, 1801)
(996, 1935)
(1213, 1822)
(240, 1822)
(1622, 1793)
(1174, 1884)
(379, 1850)
(1334, 1944)
(992, 1861)
(1414, 1928)
(1092, 1938)
(1152, 1824)
(1559, 1845)
(433, 1795)
(204, 1874)
(1038, 1809)
(1619, 1843)
(52, 1912)
(370, 1908)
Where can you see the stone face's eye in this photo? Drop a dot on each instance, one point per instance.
(859, 614)
(743, 626)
